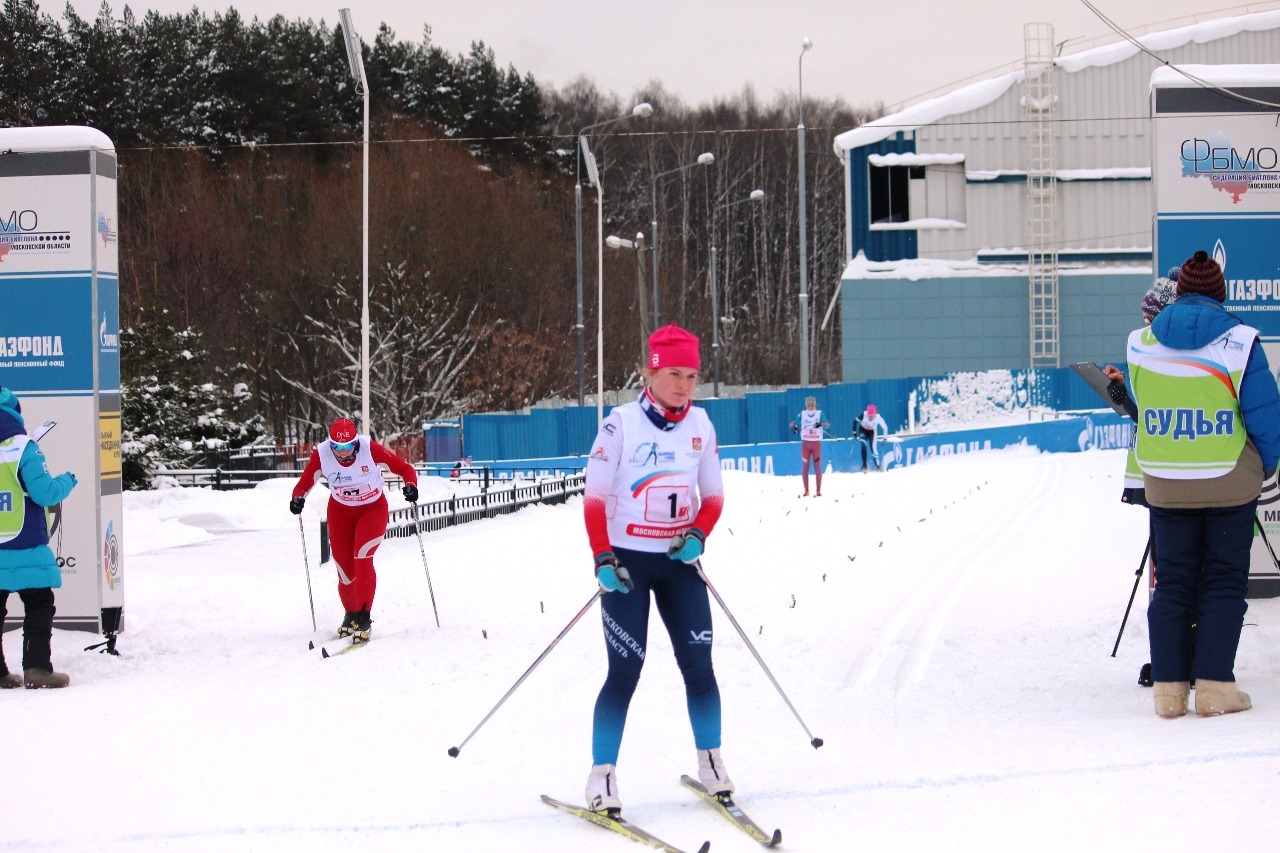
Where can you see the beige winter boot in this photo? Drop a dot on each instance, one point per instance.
(37, 678)
(1220, 697)
(1171, 698)
(10, 680)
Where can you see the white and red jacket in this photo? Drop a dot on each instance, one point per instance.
(645, 484)
(357, 484)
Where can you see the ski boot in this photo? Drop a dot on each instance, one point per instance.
(10, 680)
(602, 790)
(344, 630)
(713, 776)
(360, 623)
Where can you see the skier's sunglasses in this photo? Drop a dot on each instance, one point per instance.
(345, 446)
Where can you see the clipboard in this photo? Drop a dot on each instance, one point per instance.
(1112, 392)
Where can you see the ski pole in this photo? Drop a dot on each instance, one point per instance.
(1262, 530)
(815, 742)
(307, 565)
(422, 548)
(1142, 564)
(454, 750)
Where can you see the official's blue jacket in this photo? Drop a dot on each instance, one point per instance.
(27, 562)
(1192, 322)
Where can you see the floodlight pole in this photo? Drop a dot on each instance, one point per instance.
(756, 195)
(704, 159)
(804, 232)
(356, 60)
(642, 110)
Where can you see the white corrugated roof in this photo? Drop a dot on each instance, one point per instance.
(985, 91)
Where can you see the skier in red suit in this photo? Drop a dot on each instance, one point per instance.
(357, 513)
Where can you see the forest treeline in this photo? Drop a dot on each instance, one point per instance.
(240, 218)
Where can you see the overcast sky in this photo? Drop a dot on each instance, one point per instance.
(702, 49)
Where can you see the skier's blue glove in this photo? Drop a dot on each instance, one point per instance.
(687, 547)
(410, 493)
(612, 577)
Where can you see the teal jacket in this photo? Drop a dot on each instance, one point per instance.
(27, 562)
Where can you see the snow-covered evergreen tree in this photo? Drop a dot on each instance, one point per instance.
(174, 412)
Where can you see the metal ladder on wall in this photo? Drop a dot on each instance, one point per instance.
(1042, 195)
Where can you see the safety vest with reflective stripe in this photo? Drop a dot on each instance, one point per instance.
(13, 499)
(1189, 422)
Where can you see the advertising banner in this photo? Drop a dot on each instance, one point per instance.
(60, 347)
(1215, 171)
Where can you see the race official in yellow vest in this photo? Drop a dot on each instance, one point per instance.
(1208, 433)
(27, 563)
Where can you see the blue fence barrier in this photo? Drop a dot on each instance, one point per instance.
(762, 417)
(1095, 431)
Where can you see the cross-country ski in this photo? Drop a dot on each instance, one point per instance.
(619, 825)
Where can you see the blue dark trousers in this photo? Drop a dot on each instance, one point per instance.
(1202, 575)
(685, 609)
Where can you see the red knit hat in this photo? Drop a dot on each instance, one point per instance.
(342, 431)
(672, 346)
(1202, 275)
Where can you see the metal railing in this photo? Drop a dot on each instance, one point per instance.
(502, 492)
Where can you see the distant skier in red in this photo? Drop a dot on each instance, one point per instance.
(357, 513)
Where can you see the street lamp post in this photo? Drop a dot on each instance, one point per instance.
(704, 159)
(638, 245)
(756, 195)
(356, 60)
(638, 111)
(804, 235)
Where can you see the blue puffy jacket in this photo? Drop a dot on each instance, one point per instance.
(27, 562)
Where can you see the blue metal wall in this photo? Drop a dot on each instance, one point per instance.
(892, 245)
(898, 327)
(754, 419)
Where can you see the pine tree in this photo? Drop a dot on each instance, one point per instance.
(172, 415)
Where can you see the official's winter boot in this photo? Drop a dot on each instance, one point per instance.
(1220, 697)
(37, 678)
(1171, 698)
(711, 773)
(360, 624)
(602, 789)
(10, 680)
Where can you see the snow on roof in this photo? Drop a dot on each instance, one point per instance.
(984, 92)
(915, 159)
(927, 112)
(62, 138)
(1218, 75)
(915, 269)
(1112, 173)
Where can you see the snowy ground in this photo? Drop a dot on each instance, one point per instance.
(946, 628)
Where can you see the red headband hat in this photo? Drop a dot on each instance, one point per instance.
(672, 346)
(342, 431)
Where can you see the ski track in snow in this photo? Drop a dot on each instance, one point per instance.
(907, 640)
(945, 628)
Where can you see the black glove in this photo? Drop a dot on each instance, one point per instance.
(795, 429)
(613, 577)
(410, 493)
(295, 505)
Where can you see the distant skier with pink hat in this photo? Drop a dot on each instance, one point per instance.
(868, 425)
